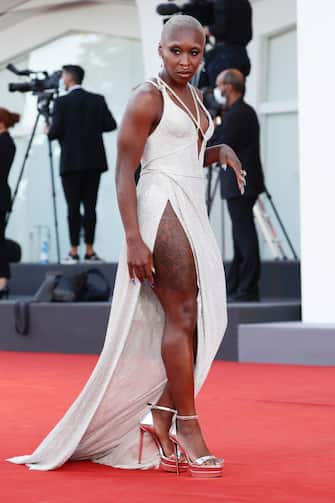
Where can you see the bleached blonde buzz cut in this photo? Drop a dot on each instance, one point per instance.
(181, 21)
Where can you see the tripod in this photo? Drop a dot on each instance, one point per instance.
(43, 104)
(268, 230)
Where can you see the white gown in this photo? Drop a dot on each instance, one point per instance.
(102, 423)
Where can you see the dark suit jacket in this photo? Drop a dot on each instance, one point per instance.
(7, 153)
(79, 119)
(240, 130)
(232, 22)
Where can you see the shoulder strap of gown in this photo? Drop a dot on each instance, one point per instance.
(196, 120)
(155, 84)
(201, 103)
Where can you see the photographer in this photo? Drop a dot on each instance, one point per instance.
(232, 29)
(79, 119)
(240, 130)
(7, 153)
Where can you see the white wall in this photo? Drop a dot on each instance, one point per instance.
(150, 27)
(316, 40)
(112, 19)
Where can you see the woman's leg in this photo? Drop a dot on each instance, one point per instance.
(176, 289)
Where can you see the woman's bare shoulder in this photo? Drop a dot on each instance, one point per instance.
(144, 108)
(146, 94)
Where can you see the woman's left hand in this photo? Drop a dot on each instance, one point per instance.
(228, 157)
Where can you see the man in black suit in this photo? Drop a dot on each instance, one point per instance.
(232, 29)
(79, 119)
(240, 130)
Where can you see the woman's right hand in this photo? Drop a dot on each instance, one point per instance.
(140, 261)
(228, 157)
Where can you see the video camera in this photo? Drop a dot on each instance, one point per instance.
(35, 85)
(46, 89)
(202, 10)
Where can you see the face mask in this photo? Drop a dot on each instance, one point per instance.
(222, 100)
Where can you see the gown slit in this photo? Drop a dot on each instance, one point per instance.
(174, 258)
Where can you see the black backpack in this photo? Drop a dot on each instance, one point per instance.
(86, 286)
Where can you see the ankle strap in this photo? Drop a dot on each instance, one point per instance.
(186, 418)
(160, 407)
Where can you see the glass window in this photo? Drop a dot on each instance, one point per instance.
(281, 82)
(280, 160)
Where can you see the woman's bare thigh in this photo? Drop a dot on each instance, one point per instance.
(173, 259)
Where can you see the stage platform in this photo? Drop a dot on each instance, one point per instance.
(287, 343)
(80, 327)
(279, 279)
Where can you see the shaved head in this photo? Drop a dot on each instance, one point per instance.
(233, 77)
(181, 22)
(181, 48)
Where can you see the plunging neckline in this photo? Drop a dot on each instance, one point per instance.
(187, 111)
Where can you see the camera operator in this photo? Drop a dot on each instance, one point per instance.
(79, 119)
(240, 130)
(232, 29)
(7, 154)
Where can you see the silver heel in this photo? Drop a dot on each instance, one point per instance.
(167, 463)
(177, 458)
(198, 467)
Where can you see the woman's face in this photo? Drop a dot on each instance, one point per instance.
(181, 50)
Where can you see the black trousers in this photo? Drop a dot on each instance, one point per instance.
(244, 272)
(81, 188)
(4, 264)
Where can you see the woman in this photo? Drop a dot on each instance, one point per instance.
(168, 313)
(7, 153)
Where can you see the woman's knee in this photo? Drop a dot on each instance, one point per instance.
(184, 314)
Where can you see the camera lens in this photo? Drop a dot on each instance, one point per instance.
(21, 87)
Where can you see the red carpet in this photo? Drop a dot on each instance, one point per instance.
(274, 425)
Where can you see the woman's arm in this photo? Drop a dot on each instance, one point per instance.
(141, 115)
(225, 155)
(212, 155)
